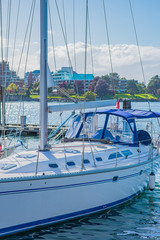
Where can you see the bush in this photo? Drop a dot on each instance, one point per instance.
(90, 95)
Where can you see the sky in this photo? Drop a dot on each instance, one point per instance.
(123, 44)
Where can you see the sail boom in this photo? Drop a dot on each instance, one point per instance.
(81, 105)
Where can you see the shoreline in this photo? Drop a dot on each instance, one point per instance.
(12, 98)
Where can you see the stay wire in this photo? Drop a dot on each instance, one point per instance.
(139, 53)
(74, 41)
(53, 46)
(64, 18)
(29, 40)
(15, 36)
(65, 40)
(14, 45)
(7, 47)
(24, 41)
(6, 62)
(30, 22)
(1, 23)
(109, 48)
(90, 39)
(85, 70)
(74, 38)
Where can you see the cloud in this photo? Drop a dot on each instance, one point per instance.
(125, 59)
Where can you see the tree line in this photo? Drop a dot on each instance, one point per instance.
(110, 85)
(103, 87)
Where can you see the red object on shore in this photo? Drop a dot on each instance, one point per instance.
(118, 106)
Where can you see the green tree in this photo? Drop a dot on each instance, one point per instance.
(12, 88)
(102, 88)
(90, 95)
(27, 92)
(113, 80)
(153, 85)
(132, 87)
(79, 87)
(141, 88)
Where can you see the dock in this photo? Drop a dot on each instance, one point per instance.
(30, 129)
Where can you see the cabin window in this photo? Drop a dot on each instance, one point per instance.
(86, 161)
(115, 179)
(118, 130)
(93, 126)
(53, 165)
(98, 159)
(113, 155)
(70, 163)
(127, 153)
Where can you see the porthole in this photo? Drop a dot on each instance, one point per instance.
(139, 151)
(86, 161)
(70, 163)
(140, 173)
(115, 179)
(98, 159)
(53, 165)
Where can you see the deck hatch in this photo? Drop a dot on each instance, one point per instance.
(8, 166)
(126, 152)
(113, 155)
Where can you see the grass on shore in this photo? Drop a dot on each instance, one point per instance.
(136, 96)
(118, 95)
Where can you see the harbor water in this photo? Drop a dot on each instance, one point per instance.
(136, 219)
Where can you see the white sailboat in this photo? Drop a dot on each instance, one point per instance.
(103, 161)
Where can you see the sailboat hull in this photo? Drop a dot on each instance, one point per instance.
(31, 202)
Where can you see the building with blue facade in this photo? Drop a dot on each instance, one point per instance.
(66, 74)
(123, 84)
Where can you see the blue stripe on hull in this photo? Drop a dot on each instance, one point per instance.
(65, 217)
(68, 186)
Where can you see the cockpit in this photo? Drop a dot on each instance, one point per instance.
(114, 125)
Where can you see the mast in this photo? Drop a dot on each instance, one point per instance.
(43, 73)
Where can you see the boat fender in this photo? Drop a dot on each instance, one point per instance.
(152, 181)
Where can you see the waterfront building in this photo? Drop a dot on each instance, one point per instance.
(123, 84)
(31, 77)
(8, 76)
(66, 74)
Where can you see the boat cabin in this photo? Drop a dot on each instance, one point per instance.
(114, 125)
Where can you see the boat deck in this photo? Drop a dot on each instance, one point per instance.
(66, 158)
